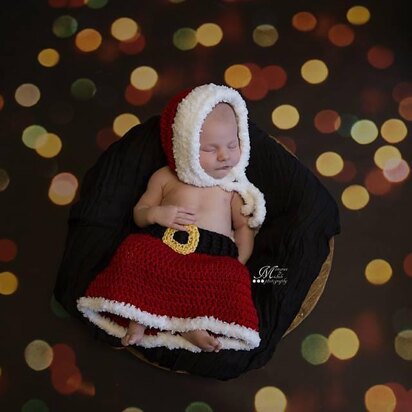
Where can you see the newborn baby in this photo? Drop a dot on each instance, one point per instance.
(171, 203)
(180, 281)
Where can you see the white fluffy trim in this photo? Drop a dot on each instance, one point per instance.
(235, 337)
(191, 114)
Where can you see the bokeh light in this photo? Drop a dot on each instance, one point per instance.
(124, 122)
(380, 398)
(185, 38)
(265, 35)
(8, 250)
(378, 271)
(304, 21)
(386, 153)
(341, 35)
(83, 89)
(285, 116)
(394, 130)
(355, 197)
(270, 398)
(124, 28)
(358, 15)
(4, 180)
(274, 76)
(198, 407)
(396, 170)
(401, 91)
(63, 188)
(27, 95)
(238, 76)
(133, 46)
(88, 40)
(364, 131)
(65, 26)
(407, 264)
(329, 164)
(315, 349)
(48, 145)
(403, 344)
(376, 183)
(405, 108)
(209, 34)
(38, 355)
(32, 135)
(48, 57)
(327, 121)
(34, 405)
(8, 283)
(314, 71)
(96, 4)
(144, 78)
(343, 343)
(380, 57)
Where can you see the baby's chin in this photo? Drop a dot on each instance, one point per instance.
(219, 174)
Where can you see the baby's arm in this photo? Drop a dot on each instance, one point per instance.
(149, 208)
(244, 235)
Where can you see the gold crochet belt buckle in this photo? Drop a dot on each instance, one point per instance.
(182, 248)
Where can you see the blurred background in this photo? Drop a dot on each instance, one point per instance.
(331, 80)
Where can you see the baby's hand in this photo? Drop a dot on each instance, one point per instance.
(174, 216)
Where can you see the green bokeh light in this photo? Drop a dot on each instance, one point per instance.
(65, 26)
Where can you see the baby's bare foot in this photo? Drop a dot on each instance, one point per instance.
(203, 340)
(134, 333)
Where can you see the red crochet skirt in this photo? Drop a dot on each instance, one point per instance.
(174, 281)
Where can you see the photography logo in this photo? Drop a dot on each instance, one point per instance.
(271, 274)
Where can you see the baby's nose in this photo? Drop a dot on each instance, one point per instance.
(223, 154)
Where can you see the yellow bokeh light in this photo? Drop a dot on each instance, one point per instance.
(238, 76)
(364, 131)
(358, 15)
(38, 355)
(314, 71)
(48, 57)
(380, 398)
(394, 130)
(343, 343)
(403, 344)
(265, 35)
(270, 398)
(124, 122)
(27, 95)
(8, 283)
(285, 116)
(62, 189)
(315, 349)
(48, 145)
(88, 40)
(385, 154)
(329, 164)
(144, 78)
(185, 38)
(378, 271)
(124, 29)
(355, 197)
(209, 34)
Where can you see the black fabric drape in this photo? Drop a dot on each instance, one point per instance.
(301, 218)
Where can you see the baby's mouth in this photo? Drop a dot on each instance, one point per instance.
(224, 168)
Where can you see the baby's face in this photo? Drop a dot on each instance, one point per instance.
(219, 142)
